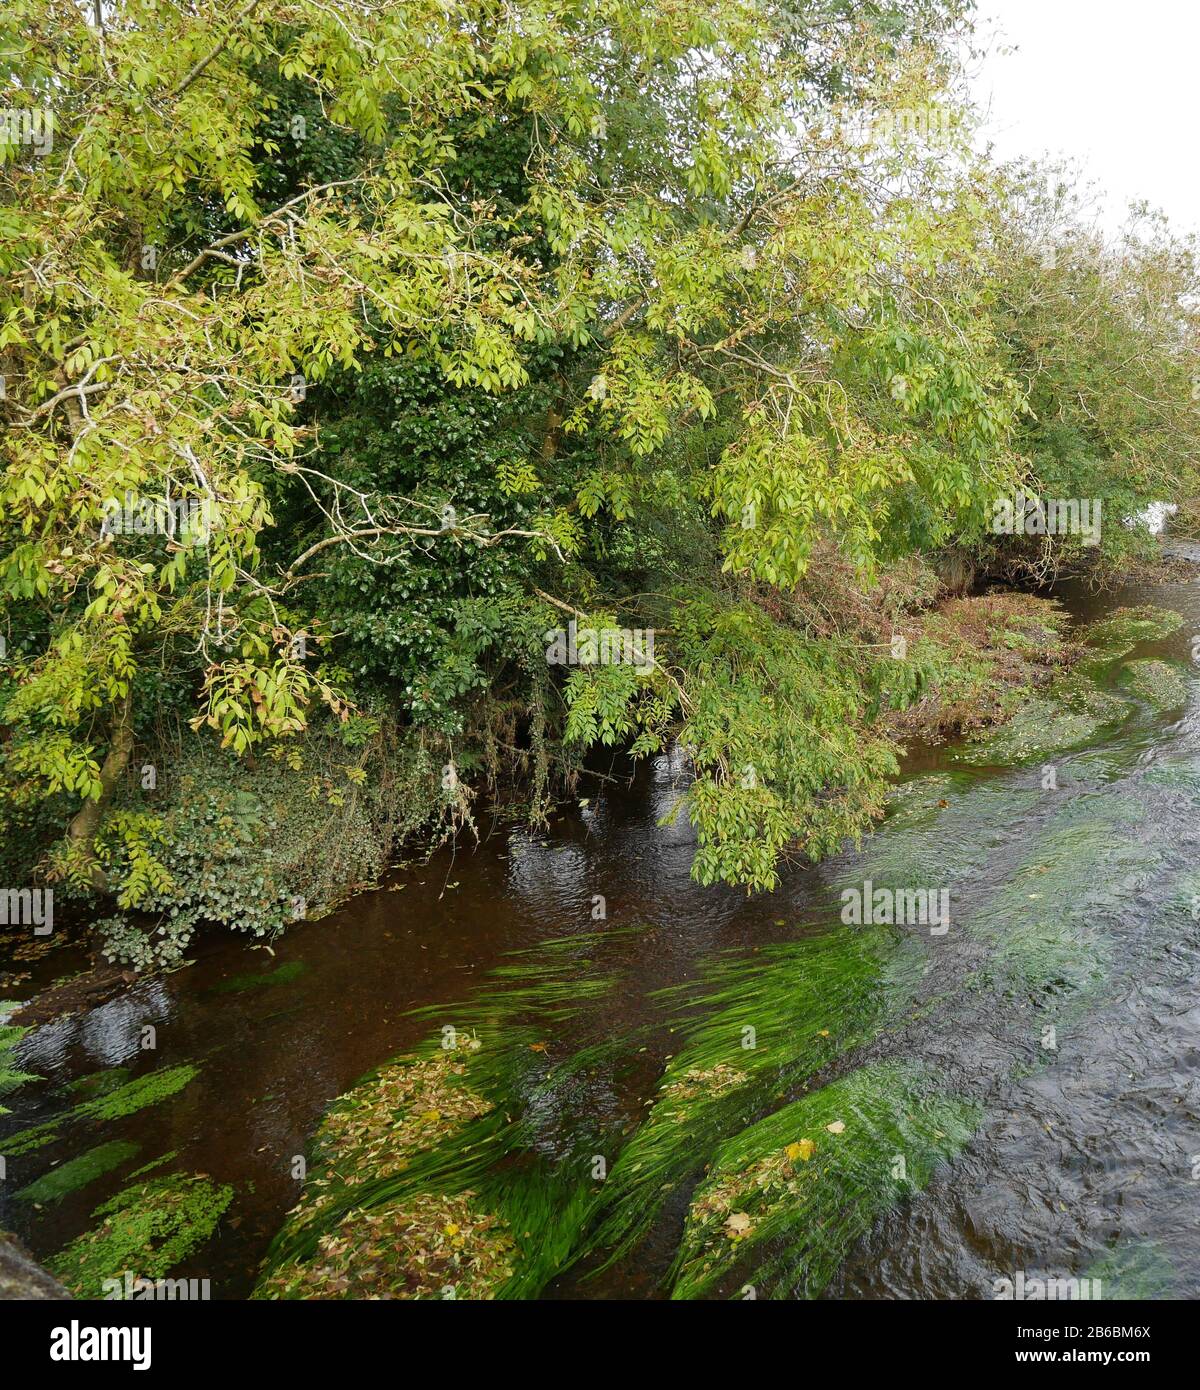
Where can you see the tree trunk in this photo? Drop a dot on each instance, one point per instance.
(82, 830)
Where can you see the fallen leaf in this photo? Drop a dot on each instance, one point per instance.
(801, 1151)
(737, 1224)
(836, 1127)
(537, 1047)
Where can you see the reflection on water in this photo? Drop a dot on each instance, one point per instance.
(107, 1036)
(1080, 896)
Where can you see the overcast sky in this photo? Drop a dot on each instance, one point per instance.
(1113, 84)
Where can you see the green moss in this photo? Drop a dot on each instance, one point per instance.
(787, 1198)
(147, 1228)
(1160, 684)
(77, 1172)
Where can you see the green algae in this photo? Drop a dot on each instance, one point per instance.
(146, 1229)
(786, 1198)
(1043, 728)
(113, 1104)
(77, 1172)
(1159, 684)
(1074, 708)
(283, 975)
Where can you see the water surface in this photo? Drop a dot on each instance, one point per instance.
(1085, 1154)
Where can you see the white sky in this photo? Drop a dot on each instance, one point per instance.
(1111, 84)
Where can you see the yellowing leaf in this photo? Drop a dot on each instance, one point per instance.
(801, 1151)
(836, 1127)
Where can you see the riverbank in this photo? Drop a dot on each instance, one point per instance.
(256, 846)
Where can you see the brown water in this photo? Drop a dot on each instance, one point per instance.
(1083, 1149)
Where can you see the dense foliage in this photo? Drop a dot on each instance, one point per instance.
(349, 350)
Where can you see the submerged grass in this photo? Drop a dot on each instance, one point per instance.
(1046, 924)
(283, 975)
(99, 1083)
(468, 1168)
(77, 1172)
(770, 1021)
(1133, 1270)
(112, 1104)
(1160, 684)
(1046, 960)
(474, 1166)
(11, 1076)
(786, 1198)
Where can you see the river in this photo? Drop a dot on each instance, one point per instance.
(1086, 1150)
